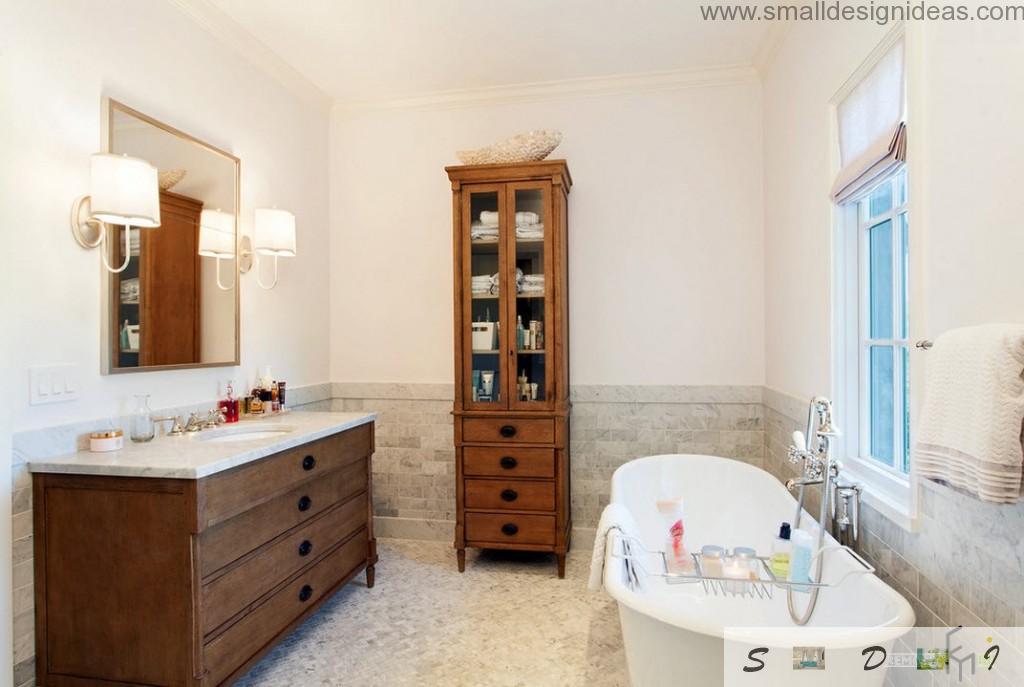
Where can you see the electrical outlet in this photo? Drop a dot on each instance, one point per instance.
(53, 384)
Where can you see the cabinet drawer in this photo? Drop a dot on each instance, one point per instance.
(498, 429)
(227, 494)
(510, 494)
(489, 461)
(230, 650)
(510, 529)
(245, 583)
(229, 541)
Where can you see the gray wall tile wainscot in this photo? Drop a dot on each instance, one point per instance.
(965, 563)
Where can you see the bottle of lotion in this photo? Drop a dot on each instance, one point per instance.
(800, 559)
(782, 550)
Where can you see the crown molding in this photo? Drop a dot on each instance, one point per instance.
(547, 90)
(226, 30)
(769, 46)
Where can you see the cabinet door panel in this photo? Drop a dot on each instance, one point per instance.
(530, 302)
(485, 329)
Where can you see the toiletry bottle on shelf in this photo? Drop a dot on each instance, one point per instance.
(229, 405)
(520, 333)
(800, 559)
(676, 556)
(782, 549)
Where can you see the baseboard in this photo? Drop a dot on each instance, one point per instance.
(413, 528)
(444, 530)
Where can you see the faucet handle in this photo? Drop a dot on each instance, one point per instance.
(177, 426)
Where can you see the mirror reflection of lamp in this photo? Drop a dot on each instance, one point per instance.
(217, 239)
(274, 235)
(122, 190)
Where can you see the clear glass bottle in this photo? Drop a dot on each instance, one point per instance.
(142, 421)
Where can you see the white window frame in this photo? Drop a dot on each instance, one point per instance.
(888, 491)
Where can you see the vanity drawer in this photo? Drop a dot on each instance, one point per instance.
(510, 529)
(245, 583)
(229, 541)
(508, 429)
(490, 461)
(227, 494)
(510, 494)
(243, 640)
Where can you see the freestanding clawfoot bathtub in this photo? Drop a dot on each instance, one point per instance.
(675, 634)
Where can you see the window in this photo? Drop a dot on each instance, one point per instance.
(883, 355)
(872, 278)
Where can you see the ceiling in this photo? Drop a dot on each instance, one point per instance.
(365, 50)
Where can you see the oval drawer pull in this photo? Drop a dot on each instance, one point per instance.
(510, 529)
(305, 548)
(508, 431)
(508, 462)
(305, 503)
(308, 463)
(509, 495)
(305, 593)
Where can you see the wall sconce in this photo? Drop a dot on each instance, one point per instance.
(217, 239)
(122, 190)
(274, 236)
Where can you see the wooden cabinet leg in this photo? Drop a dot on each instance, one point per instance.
(461, 554)
(560, 557)
(371, 575)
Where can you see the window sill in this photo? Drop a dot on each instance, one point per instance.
(891, 497)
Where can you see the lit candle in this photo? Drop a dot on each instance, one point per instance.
(736, 569)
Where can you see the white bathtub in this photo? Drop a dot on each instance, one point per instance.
(674, 634)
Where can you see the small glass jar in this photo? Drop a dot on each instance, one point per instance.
(711, 558)
(748, 557)
(143, 428)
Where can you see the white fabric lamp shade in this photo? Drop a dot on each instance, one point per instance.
(274, 232)
(216, 234)
(124, 190)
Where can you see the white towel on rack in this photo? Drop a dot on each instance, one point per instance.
(527, 218)
(971, 423)
(615, 520)
(489, 218)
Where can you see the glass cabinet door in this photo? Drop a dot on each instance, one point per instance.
(530, 291)
(484, 364)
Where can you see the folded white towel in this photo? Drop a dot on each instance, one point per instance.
(527, 218)
(615, 520)
(971, 423)
(489, 218)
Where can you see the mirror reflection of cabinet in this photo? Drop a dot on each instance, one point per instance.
(172, 307)
(157, 319)
(511, 357)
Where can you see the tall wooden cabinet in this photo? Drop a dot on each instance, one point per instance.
(511, 357)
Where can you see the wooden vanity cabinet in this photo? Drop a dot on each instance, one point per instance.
(512, 385)
(151, 581)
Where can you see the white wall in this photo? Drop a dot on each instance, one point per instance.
(665, 236)
(965, 165)
(59, 58)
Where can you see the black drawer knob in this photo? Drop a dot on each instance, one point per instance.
(509, 495)
(304, 503)
(508, 462)
(305, 593)
(305, 547)
(308, 463)
(510, 529)
(508, 431)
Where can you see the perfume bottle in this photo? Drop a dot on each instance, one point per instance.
(520, 332)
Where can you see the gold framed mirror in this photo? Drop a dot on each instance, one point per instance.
(175, 305)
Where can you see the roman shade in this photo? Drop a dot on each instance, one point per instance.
(872, 127)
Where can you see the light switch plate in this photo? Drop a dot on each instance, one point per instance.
(53, 384)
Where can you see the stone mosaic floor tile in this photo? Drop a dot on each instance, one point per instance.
(508, 621)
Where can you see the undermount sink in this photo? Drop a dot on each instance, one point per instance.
(225, 436)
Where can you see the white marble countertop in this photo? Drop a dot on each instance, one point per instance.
(196, 455)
